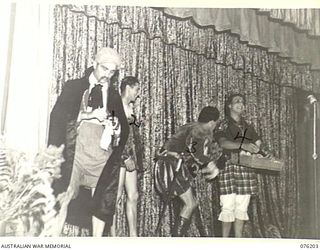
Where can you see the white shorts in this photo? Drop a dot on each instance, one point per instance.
(234, 206)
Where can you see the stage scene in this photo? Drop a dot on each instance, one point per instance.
(159, 122)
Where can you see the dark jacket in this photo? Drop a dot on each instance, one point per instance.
(66, 111)
(63, 125)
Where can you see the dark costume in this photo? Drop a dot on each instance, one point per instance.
(133, 149)
(63, 121)
(199, 149)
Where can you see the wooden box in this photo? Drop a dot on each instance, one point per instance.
(257, 161)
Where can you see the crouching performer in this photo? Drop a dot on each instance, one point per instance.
(189, 151)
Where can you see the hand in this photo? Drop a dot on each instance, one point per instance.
(113, 124)
(173, 154)
(210, 171)
(130, 165)
(268, 155)
(250, 147)
(99, 114)
(169, 153)
(162, 153)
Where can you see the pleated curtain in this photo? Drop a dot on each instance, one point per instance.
(182, 68)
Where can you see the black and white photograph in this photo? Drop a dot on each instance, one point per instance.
(151, 121)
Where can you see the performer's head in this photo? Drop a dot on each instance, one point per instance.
(129, 88)
(209, 115)
(107, 61)
(235, 105)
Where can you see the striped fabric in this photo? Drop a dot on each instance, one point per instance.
(164, 173)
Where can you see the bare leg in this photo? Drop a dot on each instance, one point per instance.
(238, 226)
(122, 177)
(242, 203)
(97, 224)
(228, 202)
(226, 226)
(182, 223)
(97, 227)
(132, 200)
(189, 204)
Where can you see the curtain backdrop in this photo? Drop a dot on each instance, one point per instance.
(258, 29)
(183, 68)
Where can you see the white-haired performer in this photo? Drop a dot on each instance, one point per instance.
(102, 131)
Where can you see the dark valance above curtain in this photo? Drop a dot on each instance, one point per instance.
(294, 34)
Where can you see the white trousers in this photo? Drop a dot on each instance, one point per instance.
(234, 206)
